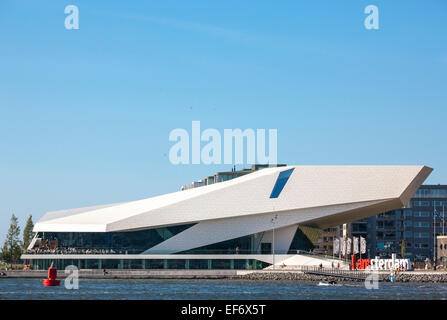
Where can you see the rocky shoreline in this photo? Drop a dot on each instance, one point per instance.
(298, 276)
(431, 278)
(288, 276)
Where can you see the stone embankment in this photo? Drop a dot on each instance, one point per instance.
(411, 276)
(288, 276)
(432, 277)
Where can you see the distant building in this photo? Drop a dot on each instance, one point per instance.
(227, 175)
(194, 184)
(364, 228)
(410, 230)
(325, 243)
(441, 251)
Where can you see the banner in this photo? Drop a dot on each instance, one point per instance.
(343, 247)
(336, 246)
(362, 245)
(356, 245)
(348, 246)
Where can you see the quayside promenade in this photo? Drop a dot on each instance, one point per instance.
(256, 275)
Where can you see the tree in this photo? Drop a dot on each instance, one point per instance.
(12, 248)
(28, 233)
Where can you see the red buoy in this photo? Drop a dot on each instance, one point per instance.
(52, 278)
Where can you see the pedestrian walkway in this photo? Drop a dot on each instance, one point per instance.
(347, 274)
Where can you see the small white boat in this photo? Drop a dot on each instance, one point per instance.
(326, 283)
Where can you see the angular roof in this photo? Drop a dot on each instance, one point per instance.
(321, 196)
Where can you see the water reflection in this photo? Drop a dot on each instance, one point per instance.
(216, 289)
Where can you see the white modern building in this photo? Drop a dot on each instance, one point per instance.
(243, 223)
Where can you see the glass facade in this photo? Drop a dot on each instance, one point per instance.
(253, 244)
(137, 242)
(145, 264)
(301, 242)
(250, 244)
(131, 242)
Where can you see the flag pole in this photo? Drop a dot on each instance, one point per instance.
(434, 238)
(340, 243)
(360, 247)
(443, 220)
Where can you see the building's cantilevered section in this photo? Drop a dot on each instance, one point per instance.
(280, 198)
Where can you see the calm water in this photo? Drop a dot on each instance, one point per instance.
(215, 289)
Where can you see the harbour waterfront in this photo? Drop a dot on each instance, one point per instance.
(289, 274)
(202, 289)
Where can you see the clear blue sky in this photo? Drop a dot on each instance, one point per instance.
(85, 114)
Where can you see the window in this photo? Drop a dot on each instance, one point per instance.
(420, 214)
(280, 183)
(408, 205)
(388, 225)
(408, 223)
(421, 245)
(438, 214)
(408, 234)
(266, 248)
(421, 203)
(431, 193)
(421, 235)
(421, 224)
(440, 203)
(408, 213)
